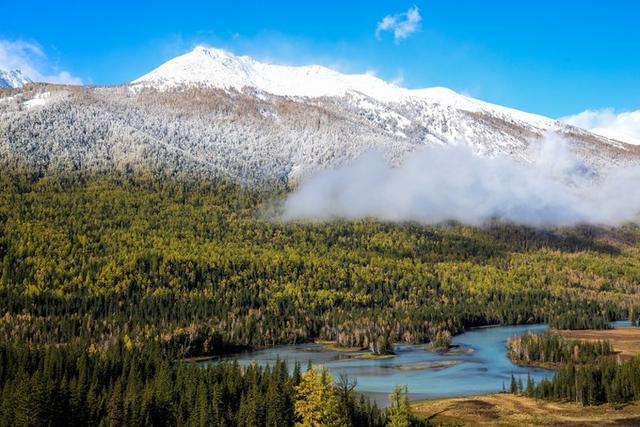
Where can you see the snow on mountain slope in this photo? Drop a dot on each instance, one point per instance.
(623, 126)
(13, 79)
(221, 69)
(617, 135)
(210, 112)
(419, 116)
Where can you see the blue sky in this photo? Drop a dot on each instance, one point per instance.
(550, 57)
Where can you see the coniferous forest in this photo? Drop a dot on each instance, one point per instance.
(109, 282)
(588, 373)
(126, 386)
(604, 381)
(550, 348)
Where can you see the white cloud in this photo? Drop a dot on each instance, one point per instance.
(31, 60)
(398, 80)
(402, 24)
(440, 183)
(624, 127)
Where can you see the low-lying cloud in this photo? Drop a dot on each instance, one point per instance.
(624, 126)
(436, 184)
(31, 60)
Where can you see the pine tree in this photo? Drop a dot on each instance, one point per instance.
(132, 399)
(115, 408)
(530, 385)
(251, 412)
(28, 404)
(513, 388)
(7, 416)
(277, 408)
(296, 376)
(203, 414)
(218, 414)
(163, 408)
(399, 411)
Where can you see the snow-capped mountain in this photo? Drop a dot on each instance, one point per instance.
(430, 115)
(211, 112)
(13, 79)
(221, 69)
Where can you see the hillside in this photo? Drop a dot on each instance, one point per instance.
(13, 79)
(215, 114)
(197, 266)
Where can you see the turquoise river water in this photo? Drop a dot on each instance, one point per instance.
(479, 365)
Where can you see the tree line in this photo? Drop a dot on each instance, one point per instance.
(550, 348)
(605, 381)
(588, 373)
(128, 386)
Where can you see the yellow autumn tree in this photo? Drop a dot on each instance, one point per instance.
(317, 404)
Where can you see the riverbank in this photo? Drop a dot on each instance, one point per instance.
(621, 341)
(475, 363)
(504, 409)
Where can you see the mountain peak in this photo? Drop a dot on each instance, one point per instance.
(219, 68)
(13, 79)
(211, 52)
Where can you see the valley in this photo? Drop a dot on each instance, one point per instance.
(481, 367)
(145, 267)
(225, 241)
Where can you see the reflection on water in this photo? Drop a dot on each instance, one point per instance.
(428, 375)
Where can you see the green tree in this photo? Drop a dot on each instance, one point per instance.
(530, 385)
(513, 388)
(399, 411)
(115, 408)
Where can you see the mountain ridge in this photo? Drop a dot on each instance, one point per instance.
(432, 108)
(13, 79)
(235, 126)
(221, 69)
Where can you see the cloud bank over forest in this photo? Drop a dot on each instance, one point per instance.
(441, 183)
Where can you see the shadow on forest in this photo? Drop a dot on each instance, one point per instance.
(515, 238)
(457, 242)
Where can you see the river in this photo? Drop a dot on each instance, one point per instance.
(479, 365)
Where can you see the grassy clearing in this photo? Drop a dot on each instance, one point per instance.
(625, 340)
(511, 410)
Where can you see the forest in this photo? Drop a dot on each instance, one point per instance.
(125, 386)
(604, 381)
(550, 349)
(588, 373)
(203, 268)
(107, 282)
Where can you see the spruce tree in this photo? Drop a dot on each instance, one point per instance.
(399, 411)
(530, 386)
(513, 388)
